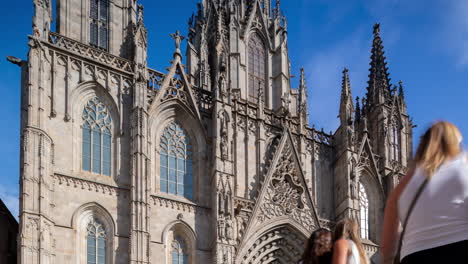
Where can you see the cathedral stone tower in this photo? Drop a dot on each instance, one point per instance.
(213, 161)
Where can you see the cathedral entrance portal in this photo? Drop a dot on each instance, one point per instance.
(279, 245)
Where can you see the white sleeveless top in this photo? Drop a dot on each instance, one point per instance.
(354, 257)
(440, 216)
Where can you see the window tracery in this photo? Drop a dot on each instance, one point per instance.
(256, 64)
(176, 162)
(99, 23)
(179, 252)
(95, 242)
(96, 138)
(363, 212)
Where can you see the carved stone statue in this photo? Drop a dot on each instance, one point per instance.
(229, 229)
(354, 188)
(221, 228)
(224, 137)
(178, 39)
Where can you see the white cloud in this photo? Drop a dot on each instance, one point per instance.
(324, 75)
(10, 199)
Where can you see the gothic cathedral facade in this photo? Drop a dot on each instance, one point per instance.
(210, 161)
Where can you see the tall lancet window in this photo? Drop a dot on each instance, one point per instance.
(97, 137)
(99, 23)
(395, 142)
(179, 251)
(256, 67)
(363, 212)
(95, 243)
(176, 162)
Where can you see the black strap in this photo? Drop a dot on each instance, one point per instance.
(410, 210)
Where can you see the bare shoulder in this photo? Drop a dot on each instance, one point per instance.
(341, 244)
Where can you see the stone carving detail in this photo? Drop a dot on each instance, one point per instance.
(90, 52)
(179, 206)
(225, 211)
(224, 135)
(364, 160)
(176, 89)
(285, 194)
(279, 245)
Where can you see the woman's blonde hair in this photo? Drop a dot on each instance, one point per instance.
(349, 229)
(441, 142)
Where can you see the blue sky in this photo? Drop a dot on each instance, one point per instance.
(426, 44)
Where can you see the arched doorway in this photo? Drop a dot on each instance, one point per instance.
(279, 245)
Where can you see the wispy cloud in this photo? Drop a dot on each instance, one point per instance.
(324, 72)
(457, 30)
(10, 198)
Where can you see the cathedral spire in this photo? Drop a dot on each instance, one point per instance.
(346, 103)
(303, 97)
(357, 114)
(379, 81)
(400, 89)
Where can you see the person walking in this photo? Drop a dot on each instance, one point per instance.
(347, 247)
(319, 248)
(431, 202)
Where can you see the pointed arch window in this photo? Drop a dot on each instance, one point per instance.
(363, 212)
(395, 143)
(96, 138)
(99, 23)
(256, 67)
(95, 242)
(176, 162)
(179, 251)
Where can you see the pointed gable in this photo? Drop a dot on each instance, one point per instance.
(175, 86)
(284, 193)
(257, 20)
(366, 159)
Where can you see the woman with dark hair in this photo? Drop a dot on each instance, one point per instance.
(319, 248)
(347, 247)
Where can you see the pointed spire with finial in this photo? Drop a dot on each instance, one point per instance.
(303, 97)
(276, 10)
(400, 89)
(357, 116)
(379, 82)
(346, 103)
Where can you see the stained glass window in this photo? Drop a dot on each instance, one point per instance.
(176, 162)
(256, 66)
(179, 251)
(95, 243)
(96, 138)
(99, 23)
(363, 212)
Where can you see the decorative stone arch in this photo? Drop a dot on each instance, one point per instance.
(80, 219)
(376, 200)
(182, 229)
(281, 239)
(158, 120)
(78, 99)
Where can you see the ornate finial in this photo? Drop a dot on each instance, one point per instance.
(400, 90)
(140, 14)
(376, 28)
(276, 10)
(357, 113)
(178, 39)
(302, 80)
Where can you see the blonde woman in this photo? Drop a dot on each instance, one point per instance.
(437, 226)
(347, 247)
